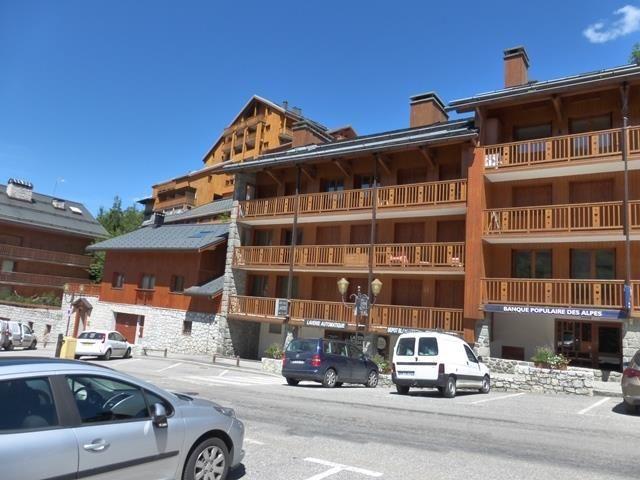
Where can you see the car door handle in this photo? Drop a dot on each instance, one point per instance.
(98, 445)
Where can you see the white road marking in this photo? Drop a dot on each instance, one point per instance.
(170, 366)
(251, 441)
(496, 398)
(591, 407)
(223, 373)
(237, 381)
(337, 468)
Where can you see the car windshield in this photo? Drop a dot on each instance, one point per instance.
(92, 336)
(303, 346)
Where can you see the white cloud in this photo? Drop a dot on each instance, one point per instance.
(629, 22)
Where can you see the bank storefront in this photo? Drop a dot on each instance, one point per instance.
(589, 337)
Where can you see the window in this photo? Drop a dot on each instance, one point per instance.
(531, 264)
(27, 330)
(363, 181)
(593, 264)
(8, 266)
(355, 352)
(532, 132)
(91, 336)
(590, 124)
(31, 327)
(427, 347)
(303, 346)
(275, 328)
(470, 355)
(26, 404)
(331, 185)
(258, 286)
(117, 281)
(406, 347)
(282, 283)
(287, 237)
(148, 282)
(262, 238)
(102, 399)
(186, 327)
(177, 284)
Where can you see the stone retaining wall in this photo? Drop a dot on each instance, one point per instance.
(40, 317)
(543, 380)
(272, 365)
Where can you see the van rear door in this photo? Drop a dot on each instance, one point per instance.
(427, 358)
(405, 358)
(299, 355)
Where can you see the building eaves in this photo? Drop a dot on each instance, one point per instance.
(207, 210)
(40, 213)
(209, 289)
(625, 72)
(457, 129)
(183, 237)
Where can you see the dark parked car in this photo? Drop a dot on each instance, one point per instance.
(330, 362)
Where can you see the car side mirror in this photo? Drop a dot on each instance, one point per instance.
(159, 415)
(480, 359)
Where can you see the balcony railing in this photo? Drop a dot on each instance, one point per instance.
(561, 149)
(392, 256)
(554, 292)
(88, 289)
(399, 196)
(241, 125)
(636, 295)
(36, 279)
(46, 256)
(559, 218)
(382, 316)
(144, 296)
(188, 200)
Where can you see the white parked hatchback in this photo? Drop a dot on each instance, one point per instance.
(437, 360)
(102, 343)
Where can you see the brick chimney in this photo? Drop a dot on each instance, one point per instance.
(427, 109)
(20, 190)
(516, 67)
(308, 133)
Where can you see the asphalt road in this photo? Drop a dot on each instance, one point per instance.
(311, 433)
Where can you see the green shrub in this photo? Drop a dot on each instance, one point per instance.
(274, 351)
(383, 364)
(547, 356)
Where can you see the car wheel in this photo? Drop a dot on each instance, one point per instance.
(402, 389)
(9, 347)
(630, 408)
(372, 379)
(292, 381)
(77, 357)
(450, 387)
(330, 378)
(127, 354)
(107, 355)
(33, 345)
(486, 385)
(209, 460)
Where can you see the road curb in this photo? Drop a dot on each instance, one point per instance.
(208, 364)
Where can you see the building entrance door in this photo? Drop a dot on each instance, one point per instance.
(127, 324)
(590, 344)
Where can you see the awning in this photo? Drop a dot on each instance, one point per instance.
(209, 289)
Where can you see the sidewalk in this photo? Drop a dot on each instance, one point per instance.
(607, 389)
(227, 362)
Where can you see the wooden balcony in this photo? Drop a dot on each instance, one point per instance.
(88, 289)
(44, 256)
(418, 199)
(382, 316)
(553, 292)
(37, 280)
(178, 202)
(409, 258)
(144, 296)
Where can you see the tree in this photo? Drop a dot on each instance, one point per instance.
(116, 222)
(635, 54)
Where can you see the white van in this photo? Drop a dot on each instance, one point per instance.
(437, 360)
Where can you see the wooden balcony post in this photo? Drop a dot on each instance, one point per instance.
(595, 149)
(506, 155)
(597, 293)
(548, 150)
(504, 291)
(548, 293)
(595, 217)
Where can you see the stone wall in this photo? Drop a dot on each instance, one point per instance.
(41, 317)
(630, 339)
(272, 365)
(543, 380)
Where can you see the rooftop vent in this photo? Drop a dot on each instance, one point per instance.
(158, 219)
(57, 203)
(75, 210)
(20, 190)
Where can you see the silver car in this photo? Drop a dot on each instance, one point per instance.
(64, 419)
(16, 334)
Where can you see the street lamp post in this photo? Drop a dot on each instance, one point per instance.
(361, 301)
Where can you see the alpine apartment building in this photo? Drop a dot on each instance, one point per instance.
(506, 226)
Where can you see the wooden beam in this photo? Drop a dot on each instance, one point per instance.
(557, 106)
(384, 164)
(309, 171)
(344, 168)
(428, 155)
(274, 177)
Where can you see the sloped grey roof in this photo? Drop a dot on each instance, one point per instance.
(167, 237)
(209, 289)
(454, 129)
(41, 213)
(208, 210)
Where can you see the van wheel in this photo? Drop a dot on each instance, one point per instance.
(372, 380)
(402, 389)
(330, 378)
(210, 459)
(486, 385)
(292, 381)
(127, 354)
(9, 347)
(450, 387)
(107, 355)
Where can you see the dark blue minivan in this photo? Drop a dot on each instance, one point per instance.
(330, 362)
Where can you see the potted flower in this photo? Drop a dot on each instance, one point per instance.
(274, 351)
(543, 357)
(559, 362)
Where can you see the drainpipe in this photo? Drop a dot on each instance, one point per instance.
(626, 217)
(372, 238)
(292, 251)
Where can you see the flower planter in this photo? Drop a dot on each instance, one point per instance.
(549, 366)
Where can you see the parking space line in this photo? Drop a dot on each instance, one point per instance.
(251, 441)
(591, 407)
(337, 468)
(170, 366)
(223, 373)
(503, 397)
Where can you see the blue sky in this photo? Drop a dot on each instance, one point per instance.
(113, 96)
